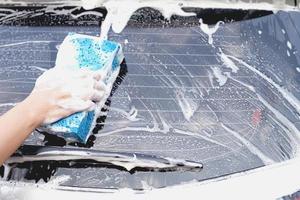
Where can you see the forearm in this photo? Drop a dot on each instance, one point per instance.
(52, 99)
(15, 126)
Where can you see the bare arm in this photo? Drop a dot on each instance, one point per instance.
(67, 94)
(15, 127)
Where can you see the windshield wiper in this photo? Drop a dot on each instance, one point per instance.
(71, 157)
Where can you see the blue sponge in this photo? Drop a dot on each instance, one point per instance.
(82, 51)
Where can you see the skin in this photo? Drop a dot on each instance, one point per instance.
(45, 105)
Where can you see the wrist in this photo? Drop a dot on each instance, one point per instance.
(32, 111)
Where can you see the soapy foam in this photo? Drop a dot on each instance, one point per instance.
(283, 91)
(128, 163)
(131, 115)
(7, 104)
(38, 68)
(269, 183)
(289, 45)
(209, 30)
(292, 129)
(20, 43)
(280, 116)
(250, 146)
(221, 78)
(187, 106)
(228, 62)
(120, 11)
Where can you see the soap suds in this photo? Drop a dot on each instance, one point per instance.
(265, 159)
(221, 78)
(38, 68)
(87, 13)
(131, 115)
(283, 91)
(209, 30)
(20, 43)
(120, 11)
(293, 132)
(282, 176)
(228, 62)
(188, 106)
(7, 104)
(127, 162)
(289, 45)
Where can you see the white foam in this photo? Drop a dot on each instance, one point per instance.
(7, 104)
(209, 30)
(268, 183)
(289, 44)
(131, 115)
(21, 43)
(228, 62)
(292, 132)
(253, 149)
(128, 163)
(39, 68)
(283, 91)
(188, 106)
(221, 78)
(120, 11)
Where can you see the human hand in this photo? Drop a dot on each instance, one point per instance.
(59, 93)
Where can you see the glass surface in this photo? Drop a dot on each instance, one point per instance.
(231, 105)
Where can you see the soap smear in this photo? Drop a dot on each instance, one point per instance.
(228, 62)
(209, 30)
(221, 78)
(120, 11)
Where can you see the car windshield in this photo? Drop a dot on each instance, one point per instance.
(221, 88)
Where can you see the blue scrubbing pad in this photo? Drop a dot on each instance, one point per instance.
(82, 51)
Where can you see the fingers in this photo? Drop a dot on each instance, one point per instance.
(92, 108)
(69, 91)
(87, 90)
(97, 96)
(86, 106)
(92, 95)
(97, 75)
(74, 105)
(67, 108)
(99, 85)
(87, 73)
